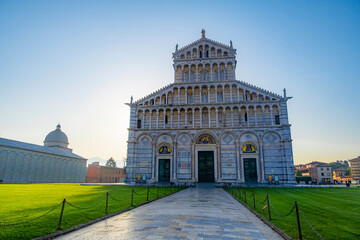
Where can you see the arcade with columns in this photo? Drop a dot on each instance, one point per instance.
(209, 127)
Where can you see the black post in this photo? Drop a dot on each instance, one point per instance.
(147, 195)
(107, 200)
(61, 214)
(268, 206)
(245, 194)
(132, 197)
(157, 192)
(254, 199)
(298, 220)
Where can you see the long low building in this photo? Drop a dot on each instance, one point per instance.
(54, 162)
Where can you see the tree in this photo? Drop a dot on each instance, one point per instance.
(348, 171)
(110, 163)
(336, 165)
(298, 173)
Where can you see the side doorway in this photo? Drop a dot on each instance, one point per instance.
(250, 170)
(164, 170)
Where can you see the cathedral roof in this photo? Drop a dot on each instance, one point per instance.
(245, 84)
(37, 148)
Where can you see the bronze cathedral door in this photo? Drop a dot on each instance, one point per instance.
(206, 166)
(164, 170)
(250, 170)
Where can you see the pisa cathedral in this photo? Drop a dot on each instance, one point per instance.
(209, 127)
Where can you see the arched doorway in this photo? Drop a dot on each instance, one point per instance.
(206, 158)
(250, 166)
(164, 162)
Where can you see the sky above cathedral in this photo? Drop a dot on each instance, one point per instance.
(78, 62)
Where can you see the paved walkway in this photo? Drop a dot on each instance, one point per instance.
(195, 213)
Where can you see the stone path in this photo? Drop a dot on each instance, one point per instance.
(195, 213)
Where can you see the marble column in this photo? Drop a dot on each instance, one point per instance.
(150, 119)
(157, 118)
(238, 175)
(217, 117)
(153, 161)
(232, 117)
(200, 117)
(171, 118)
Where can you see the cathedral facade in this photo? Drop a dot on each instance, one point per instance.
(209, 127)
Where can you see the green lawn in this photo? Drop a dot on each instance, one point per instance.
(21, 202)
(334, 213)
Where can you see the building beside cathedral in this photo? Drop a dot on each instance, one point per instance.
(54, 162)
(207, 126)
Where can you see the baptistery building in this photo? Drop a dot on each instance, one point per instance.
(54, 162)
(207, 126)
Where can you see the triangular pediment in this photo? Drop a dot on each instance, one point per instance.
(203, 41)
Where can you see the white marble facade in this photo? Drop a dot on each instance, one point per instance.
(29, 163)
(239, 121)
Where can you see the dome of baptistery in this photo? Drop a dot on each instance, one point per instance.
(56, 138)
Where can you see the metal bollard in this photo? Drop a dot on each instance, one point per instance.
(132, 197)
(254, 199)
(298, 220)
(107, 200)
(268, 206)
(147, 195)
(61, 214)
(245, 194)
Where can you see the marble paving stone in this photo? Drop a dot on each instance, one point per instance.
(195, 213)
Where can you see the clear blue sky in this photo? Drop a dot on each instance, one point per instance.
(78, 62)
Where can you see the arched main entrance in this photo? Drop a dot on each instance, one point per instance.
(205, 151)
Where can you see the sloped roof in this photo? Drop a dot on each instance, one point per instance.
(37, 148)
(237, 81)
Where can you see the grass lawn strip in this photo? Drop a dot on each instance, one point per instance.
(334, 213)
(26, 201)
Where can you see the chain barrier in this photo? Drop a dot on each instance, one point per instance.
(281, 215)
(140, 194)
(311, 225)
(119, 200)
(89, 206)
(55, 207)
(260, 202)
(13, 224)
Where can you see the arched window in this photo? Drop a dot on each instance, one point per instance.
(205, 139)
(248, 148)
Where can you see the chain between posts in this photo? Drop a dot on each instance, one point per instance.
(107, 195)
(89, 206)
(33, 219)
(119, 200)
(308, 223)
(281, 215)
(269, 204)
